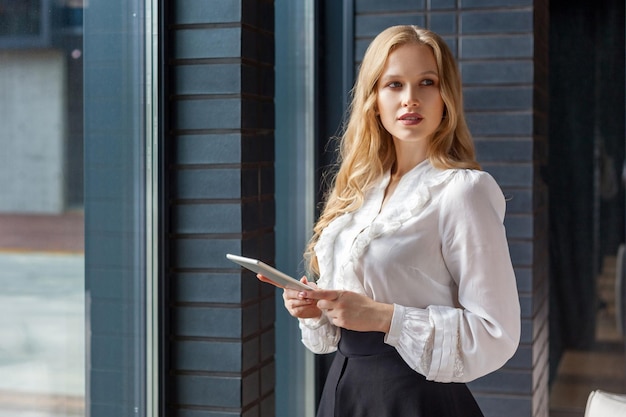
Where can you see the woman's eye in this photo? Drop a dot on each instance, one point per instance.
(427, 82)
(394, 84)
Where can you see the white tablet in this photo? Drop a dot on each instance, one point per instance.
(274, 274)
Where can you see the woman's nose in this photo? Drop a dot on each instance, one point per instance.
(410, 97)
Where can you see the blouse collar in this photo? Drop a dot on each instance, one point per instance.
(410, 197)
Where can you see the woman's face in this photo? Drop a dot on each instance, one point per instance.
(409, 101)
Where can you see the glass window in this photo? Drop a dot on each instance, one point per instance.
(24, 23)
(21, 18)
(295, 79)
(42, 302)
(75, 187)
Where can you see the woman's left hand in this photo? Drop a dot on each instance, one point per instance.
(353, 311)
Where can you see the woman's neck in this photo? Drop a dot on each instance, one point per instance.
(408, 156)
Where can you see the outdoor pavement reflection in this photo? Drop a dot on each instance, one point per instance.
(42, 328)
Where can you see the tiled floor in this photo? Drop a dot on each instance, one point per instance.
(603, 368)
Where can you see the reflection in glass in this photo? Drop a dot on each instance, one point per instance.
(20, 17)
(42, 302)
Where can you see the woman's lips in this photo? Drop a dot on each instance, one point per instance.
(410, 119)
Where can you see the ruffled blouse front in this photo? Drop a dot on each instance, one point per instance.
(437, 251)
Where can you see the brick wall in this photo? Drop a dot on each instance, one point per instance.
(501, 46)
(220, 185)
(220, 182)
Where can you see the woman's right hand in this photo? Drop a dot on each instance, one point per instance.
(299, 306)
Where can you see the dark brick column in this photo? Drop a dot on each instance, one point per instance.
(220, 184)
(504, 57)
(501, 46)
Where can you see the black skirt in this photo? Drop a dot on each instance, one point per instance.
(368, 378)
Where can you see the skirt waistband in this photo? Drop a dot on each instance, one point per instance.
(363, 343)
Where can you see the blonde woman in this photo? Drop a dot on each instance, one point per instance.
(414, 285)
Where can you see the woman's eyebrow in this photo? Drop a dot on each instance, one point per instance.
(392, 76)
(386, 77)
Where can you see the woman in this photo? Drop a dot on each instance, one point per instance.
(415, 289)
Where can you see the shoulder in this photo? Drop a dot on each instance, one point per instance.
(470, 187)
(472, 181)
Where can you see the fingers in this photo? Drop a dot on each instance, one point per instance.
(298, 305)
(269, 281)
(302, 308)
(310, 284)
(330, 295)
(307, 304)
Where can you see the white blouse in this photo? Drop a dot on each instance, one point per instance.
(437, 251)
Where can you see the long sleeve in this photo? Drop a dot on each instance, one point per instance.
(319, 335)
(437, 251)
(480, 332)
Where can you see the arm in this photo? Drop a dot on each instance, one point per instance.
(459, 344)
(337, 309)
(319, 335)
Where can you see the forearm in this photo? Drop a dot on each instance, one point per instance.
(382, 315)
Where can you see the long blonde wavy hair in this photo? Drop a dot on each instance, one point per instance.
(366, 149)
